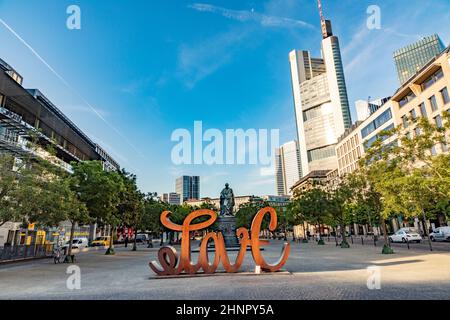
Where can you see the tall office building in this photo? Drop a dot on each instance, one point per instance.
(410, 59)
(188, 187)
(321, 103)
(287, 167)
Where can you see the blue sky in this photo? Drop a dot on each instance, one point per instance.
(150, 67)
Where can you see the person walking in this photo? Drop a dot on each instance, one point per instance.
(126, 241)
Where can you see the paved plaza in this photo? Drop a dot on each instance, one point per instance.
(312, 272)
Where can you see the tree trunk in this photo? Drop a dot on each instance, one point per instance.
(72, 231)
(135, 239)
(426, 229)
(384, 229)
(111, 241)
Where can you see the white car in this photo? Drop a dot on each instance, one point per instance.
(440, 234)
(77, 243)
(406, 235)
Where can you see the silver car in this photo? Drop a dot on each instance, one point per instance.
(440, 234)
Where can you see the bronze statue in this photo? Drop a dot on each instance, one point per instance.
(226, 201)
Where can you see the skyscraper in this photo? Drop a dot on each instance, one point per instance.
(188, 187)
(287, 167)
(321, 104)
(410, 59)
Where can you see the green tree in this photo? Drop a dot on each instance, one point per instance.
(100, 191)
(315, 206)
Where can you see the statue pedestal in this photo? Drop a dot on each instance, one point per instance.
(227, 225)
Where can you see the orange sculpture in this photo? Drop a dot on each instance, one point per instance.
(171, 264)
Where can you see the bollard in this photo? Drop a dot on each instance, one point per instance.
(407, 243)
(362, 241)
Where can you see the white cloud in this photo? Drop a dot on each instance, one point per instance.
(195, 62)
(252, 15)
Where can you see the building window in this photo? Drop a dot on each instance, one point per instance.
(445, 96)
(417, 131)
(405, 122)
(378, 122)
(444, 147)
(432, 80)
(433, 103)
(438, 121)
(2, 98)
(423, 109)
(433, 151)
(409, 97)
(321, 153)
(413, 114)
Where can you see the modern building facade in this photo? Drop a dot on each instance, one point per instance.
(353, 144)
(321, 103)
(425, 94)
(172, 198)
(287, 167)
(27, 115)
(410, 59)
(188, 187)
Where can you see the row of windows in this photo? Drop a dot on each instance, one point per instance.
(350, 158)
(322, 153)
(349, 145)
(432, 79)
(377, 123)
(312, 113)
(423, 108)
(369, 143)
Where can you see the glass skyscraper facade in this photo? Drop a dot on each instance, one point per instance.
(410, 59)
(321, 103)
(188, 187)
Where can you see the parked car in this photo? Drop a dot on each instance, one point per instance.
(440, 234)
(142, 237)
(101, 241)
(406, 235)
(77, 243)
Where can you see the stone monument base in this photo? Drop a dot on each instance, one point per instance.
(227, 225)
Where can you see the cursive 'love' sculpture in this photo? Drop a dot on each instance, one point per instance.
(171, 264)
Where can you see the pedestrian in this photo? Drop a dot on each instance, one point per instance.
(126, 241)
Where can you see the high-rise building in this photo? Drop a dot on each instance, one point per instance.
(287, 167)
(188, 187)
(321, 103)
(365, 109)
(410, 59)
(171, 198)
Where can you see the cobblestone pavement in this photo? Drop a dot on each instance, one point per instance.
(313, 272)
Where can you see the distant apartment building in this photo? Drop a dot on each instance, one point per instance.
(287, 167)
(188, 187)
(171, 198)
(26, 115)
(410, 59)
(321, 103)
